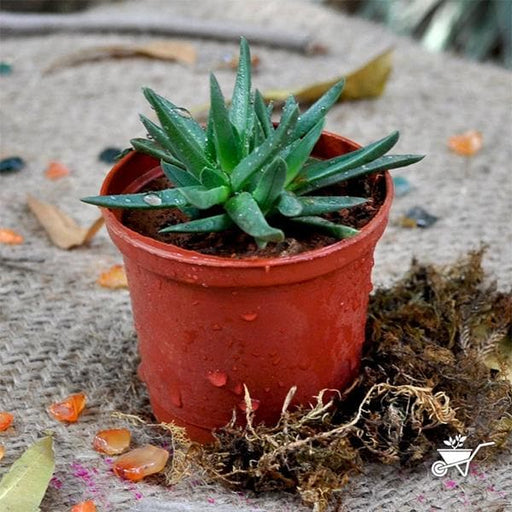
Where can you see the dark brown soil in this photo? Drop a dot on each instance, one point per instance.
(235, 244)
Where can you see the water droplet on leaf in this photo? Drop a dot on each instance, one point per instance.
(249, 317)
(152, 199)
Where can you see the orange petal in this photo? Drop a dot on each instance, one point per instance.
(2, 451)
(141, 462)
(56, 170)
(10, 237)
(466, 144)
(85, 506)
(69, 409)
(6, 419)
(114, 277)
(112, 442)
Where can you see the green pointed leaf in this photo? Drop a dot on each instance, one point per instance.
(182, 144)
(241, 99)
(227, 144)
(263, 154)
(204, 198)
(151, 148)
(158, 134)
(23, 487)
(262, 114)
(336, 230)
(318, 205)
(212, 178)
(383, 163)
(210, 151)
(350, 160)
(289, 204)
(207, 225)
(247, 215)
(270, 185)
(168, 198)
(319, 109)
(300, 154)
(178, 176)
(183, 118)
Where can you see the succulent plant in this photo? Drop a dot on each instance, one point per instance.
(242, 170)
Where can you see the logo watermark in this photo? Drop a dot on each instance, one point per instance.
(455, 456)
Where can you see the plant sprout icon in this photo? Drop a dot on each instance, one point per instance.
(456, 441)
(455, 456)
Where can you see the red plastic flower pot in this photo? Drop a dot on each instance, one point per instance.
(209, 325)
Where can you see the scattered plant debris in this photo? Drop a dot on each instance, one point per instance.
(423, 379)
(10, 237)
(114, 277)
(164, 50)
(69, 409)
(11, 164)
(418, 217)
(24, 485)
(63, 231)
(6, 419)
(466, 144)
(110, 155)
(56, 171)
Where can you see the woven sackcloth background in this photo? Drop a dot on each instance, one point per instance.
(61, 333)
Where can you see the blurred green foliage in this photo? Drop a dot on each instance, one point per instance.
(478, 29)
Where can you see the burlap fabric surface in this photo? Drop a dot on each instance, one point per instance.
(61, 332)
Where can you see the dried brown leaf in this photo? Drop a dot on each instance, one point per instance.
(163, 50)
(63, 231)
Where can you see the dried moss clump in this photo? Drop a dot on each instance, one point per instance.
(425, 376)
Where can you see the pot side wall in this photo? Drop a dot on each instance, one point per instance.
(208, 325)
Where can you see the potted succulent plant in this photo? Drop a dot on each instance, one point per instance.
(247, 255)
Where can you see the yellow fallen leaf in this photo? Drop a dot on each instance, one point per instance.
(25, 484)
(163, 50)
(369, 81)
(114, 278)
(466, 144)
(10, 237)
(63, 231)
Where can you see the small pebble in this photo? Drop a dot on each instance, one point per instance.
(402, 186)
(110, 155)
(418, 217)
(5, 68)
(11, 164)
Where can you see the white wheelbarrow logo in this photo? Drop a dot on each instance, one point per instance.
(455, 456)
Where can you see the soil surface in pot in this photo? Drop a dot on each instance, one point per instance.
(235, 244)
